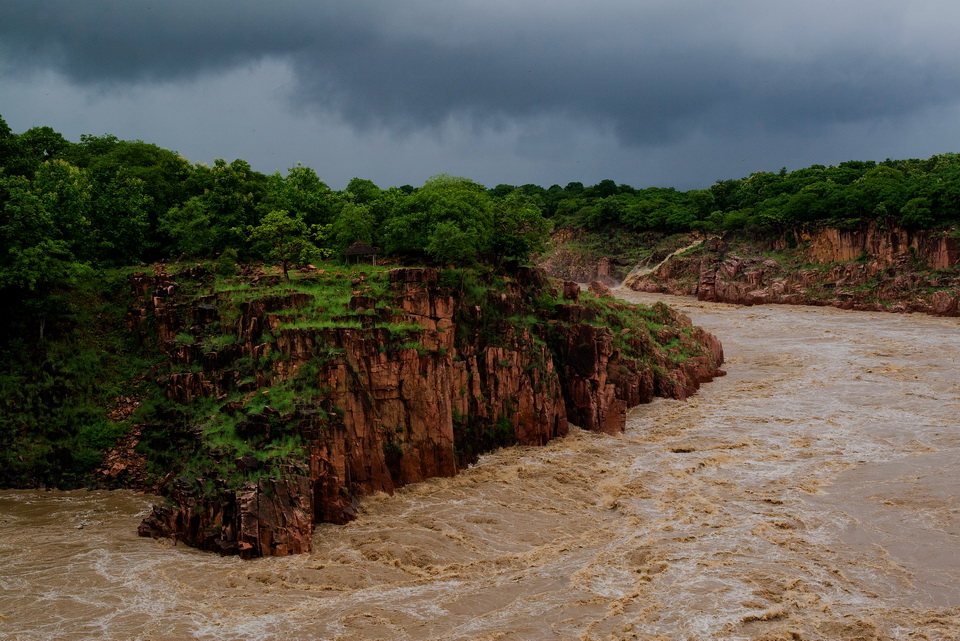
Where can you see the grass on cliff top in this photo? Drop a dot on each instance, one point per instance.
(331, 287)
(637, 327)
(326, 281)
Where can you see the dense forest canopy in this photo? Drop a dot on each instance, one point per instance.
(68, 207)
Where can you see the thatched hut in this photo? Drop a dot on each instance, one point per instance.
(359, 251)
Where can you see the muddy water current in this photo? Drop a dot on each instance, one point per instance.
(812, 493)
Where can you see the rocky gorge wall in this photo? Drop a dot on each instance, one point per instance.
(381, 412)
(872, 269)
(567, 260)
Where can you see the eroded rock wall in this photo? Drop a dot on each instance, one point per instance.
(390, 415)
(871, 269)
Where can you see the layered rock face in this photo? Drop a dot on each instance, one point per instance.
(870, 269)
(387, 413)
(888, 246)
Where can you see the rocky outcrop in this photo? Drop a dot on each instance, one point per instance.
(869, 269)
(271, 516)
(579, 266)
(889, 246)
(393, 407)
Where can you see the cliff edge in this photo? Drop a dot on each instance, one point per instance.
(283, 402)
(873, 269)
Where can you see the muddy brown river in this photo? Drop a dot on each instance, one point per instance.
(812, 493)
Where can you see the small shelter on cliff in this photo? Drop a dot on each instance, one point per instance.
(359, 252)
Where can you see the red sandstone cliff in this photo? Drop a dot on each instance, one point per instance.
(390, 415)
(870, 269)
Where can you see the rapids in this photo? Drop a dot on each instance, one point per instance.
(812, 493)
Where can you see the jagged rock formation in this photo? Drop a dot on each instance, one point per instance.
(387, 413)
(870, 269)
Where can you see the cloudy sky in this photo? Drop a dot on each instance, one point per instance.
(646, 92)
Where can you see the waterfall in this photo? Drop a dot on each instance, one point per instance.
(643, 270)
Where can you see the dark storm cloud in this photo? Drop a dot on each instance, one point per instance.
(651, 71)
(114, 41)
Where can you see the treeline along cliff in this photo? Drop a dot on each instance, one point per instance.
(71, 210)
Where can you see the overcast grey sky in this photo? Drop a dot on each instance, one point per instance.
(646, 92)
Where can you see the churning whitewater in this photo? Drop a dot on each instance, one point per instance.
(812, 493)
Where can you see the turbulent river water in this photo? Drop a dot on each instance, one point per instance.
(812, 493)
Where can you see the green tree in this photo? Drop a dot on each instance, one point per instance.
(605, 211)
(879, 192)
(120, 216)
(7, 143)
(188, 227)
(501, 190)
(115, 166)
(519, 229)
(414, 227)
(38, 255)
(916, 213)
(363, 219)
(363, 191)
(702, 201)
(32, 148)
(290, 240)
(354, 222)
(603, 189)
(217, 218)
(300, 192)
(450, 243)
(67, 197)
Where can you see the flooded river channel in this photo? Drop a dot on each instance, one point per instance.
(812, 493)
